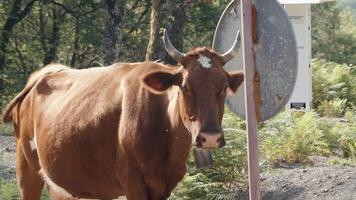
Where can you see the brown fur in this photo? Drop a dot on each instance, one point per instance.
(101, 132)
(35, 76)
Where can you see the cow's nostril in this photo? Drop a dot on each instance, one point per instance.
(199, 145)
(203, 139)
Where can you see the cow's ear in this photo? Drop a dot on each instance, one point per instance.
(159, 82)
(235, 80)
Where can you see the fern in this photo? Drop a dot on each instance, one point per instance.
(334, 86)
(293, 141)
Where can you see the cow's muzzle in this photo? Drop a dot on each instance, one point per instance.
(210, 140)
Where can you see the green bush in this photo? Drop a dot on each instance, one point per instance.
(291, 137)
(333, 108)
(9, 191)
(334, 87)
(340, 134)
(229, 172)
(331, 134)
(6, 129)
(347, 140)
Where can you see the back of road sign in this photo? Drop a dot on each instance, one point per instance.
(275, 52)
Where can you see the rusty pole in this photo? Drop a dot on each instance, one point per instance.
(248, 33)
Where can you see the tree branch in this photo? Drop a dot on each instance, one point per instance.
(139, 21)
(75, 13)
(22, 60)
(26, 10)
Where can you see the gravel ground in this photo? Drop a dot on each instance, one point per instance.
(322, 182)
(312, 183)
(7, 157)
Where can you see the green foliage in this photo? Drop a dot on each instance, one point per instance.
(9, 191)
(333, 34)
(333, 108)
(334, 87)
(347, 140)
(202, 19)
(341, 161)
(348, 4)
(80, 42)
(331, 134)
(202, 184)
(292, 137)
(323, 29)
(6, 129)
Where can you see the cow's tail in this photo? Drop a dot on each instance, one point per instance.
(32, 80)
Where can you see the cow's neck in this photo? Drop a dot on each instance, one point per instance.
(181, 138)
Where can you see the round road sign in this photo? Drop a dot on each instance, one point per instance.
(275, 52)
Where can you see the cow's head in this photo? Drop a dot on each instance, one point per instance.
(203, 84)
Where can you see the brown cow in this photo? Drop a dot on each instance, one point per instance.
(125, 129)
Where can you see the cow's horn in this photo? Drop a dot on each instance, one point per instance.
(234, 49)
(171, 50)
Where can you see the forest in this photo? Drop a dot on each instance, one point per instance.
(83, 34)
(88, 33)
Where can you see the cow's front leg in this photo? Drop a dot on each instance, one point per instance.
(156, 187)
(133, 185)
(136, 193)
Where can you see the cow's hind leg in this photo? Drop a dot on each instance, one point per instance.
(28, 178)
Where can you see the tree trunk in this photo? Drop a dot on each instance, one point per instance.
(154, 50)
(55, 37)
(175, 27)
(76, 44)
(15, 16)
(50, 42)
(113, 30)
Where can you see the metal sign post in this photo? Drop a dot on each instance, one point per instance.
(270, 63)
(248, 24)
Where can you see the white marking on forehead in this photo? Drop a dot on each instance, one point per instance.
(204, 61)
